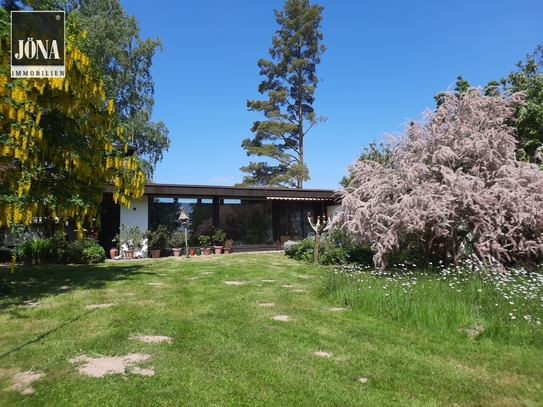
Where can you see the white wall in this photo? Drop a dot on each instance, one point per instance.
(332, 209)
(137, 214)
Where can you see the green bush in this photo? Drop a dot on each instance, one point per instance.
(6, 286)
(40, 251)
(351, 252)
(335, 248)
(59, 251)
(93, 253)
(302, 250)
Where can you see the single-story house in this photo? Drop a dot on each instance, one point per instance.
(255, 218)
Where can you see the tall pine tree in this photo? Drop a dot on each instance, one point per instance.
(289, 84)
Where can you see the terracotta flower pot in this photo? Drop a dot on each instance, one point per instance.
(113, 252)
(205, 251)
(155, 253)
(129, 254)
(176, 252)
(218, 249)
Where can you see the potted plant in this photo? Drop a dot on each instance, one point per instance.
(133, 239)
(228, 246)
(218, 239)
(157, 240)
(204, 241)
(176, 241)
(114, 251)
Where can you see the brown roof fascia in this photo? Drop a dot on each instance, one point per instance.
(207, 191)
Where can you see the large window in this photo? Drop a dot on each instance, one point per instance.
(293, 220)
(166, 211)
(246, 222)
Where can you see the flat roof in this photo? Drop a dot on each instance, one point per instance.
(207, 191)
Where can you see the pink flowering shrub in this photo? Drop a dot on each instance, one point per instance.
(451, 188)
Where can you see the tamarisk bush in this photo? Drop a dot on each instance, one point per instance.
(452, 188)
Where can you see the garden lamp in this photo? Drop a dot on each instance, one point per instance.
(184, 219)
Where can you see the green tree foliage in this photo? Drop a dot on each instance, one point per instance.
(289, 84)
(529, 116)
(461, 86)
(124, 60)
(379, 153)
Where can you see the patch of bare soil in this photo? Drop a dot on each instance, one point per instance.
(22, 382)
(234, 282)
(267, 304)
(94, 306)
(284, 318)
(153, 338)
(363, 379)
(99, 367)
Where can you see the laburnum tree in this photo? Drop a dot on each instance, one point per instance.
(59, 146)
(290, 83)
(452, 188)
(124, 61)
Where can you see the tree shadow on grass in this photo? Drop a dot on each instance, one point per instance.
(30, 283)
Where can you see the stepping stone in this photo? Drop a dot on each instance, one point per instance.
(152, 338)
(322, 354)
(284, 318)
(234, 283)
(95, 306)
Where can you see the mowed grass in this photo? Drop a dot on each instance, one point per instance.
(227, 350)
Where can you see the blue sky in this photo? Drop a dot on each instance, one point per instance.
(385, 61)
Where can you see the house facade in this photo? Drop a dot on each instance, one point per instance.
(254, 218)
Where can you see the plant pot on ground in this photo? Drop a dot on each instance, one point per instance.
(176, 242)
(204, 241)
(114, 251)
(131, 240)
(157, 240)
(218, 238)
(228, 246)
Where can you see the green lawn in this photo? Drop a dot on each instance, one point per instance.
(222, 346)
